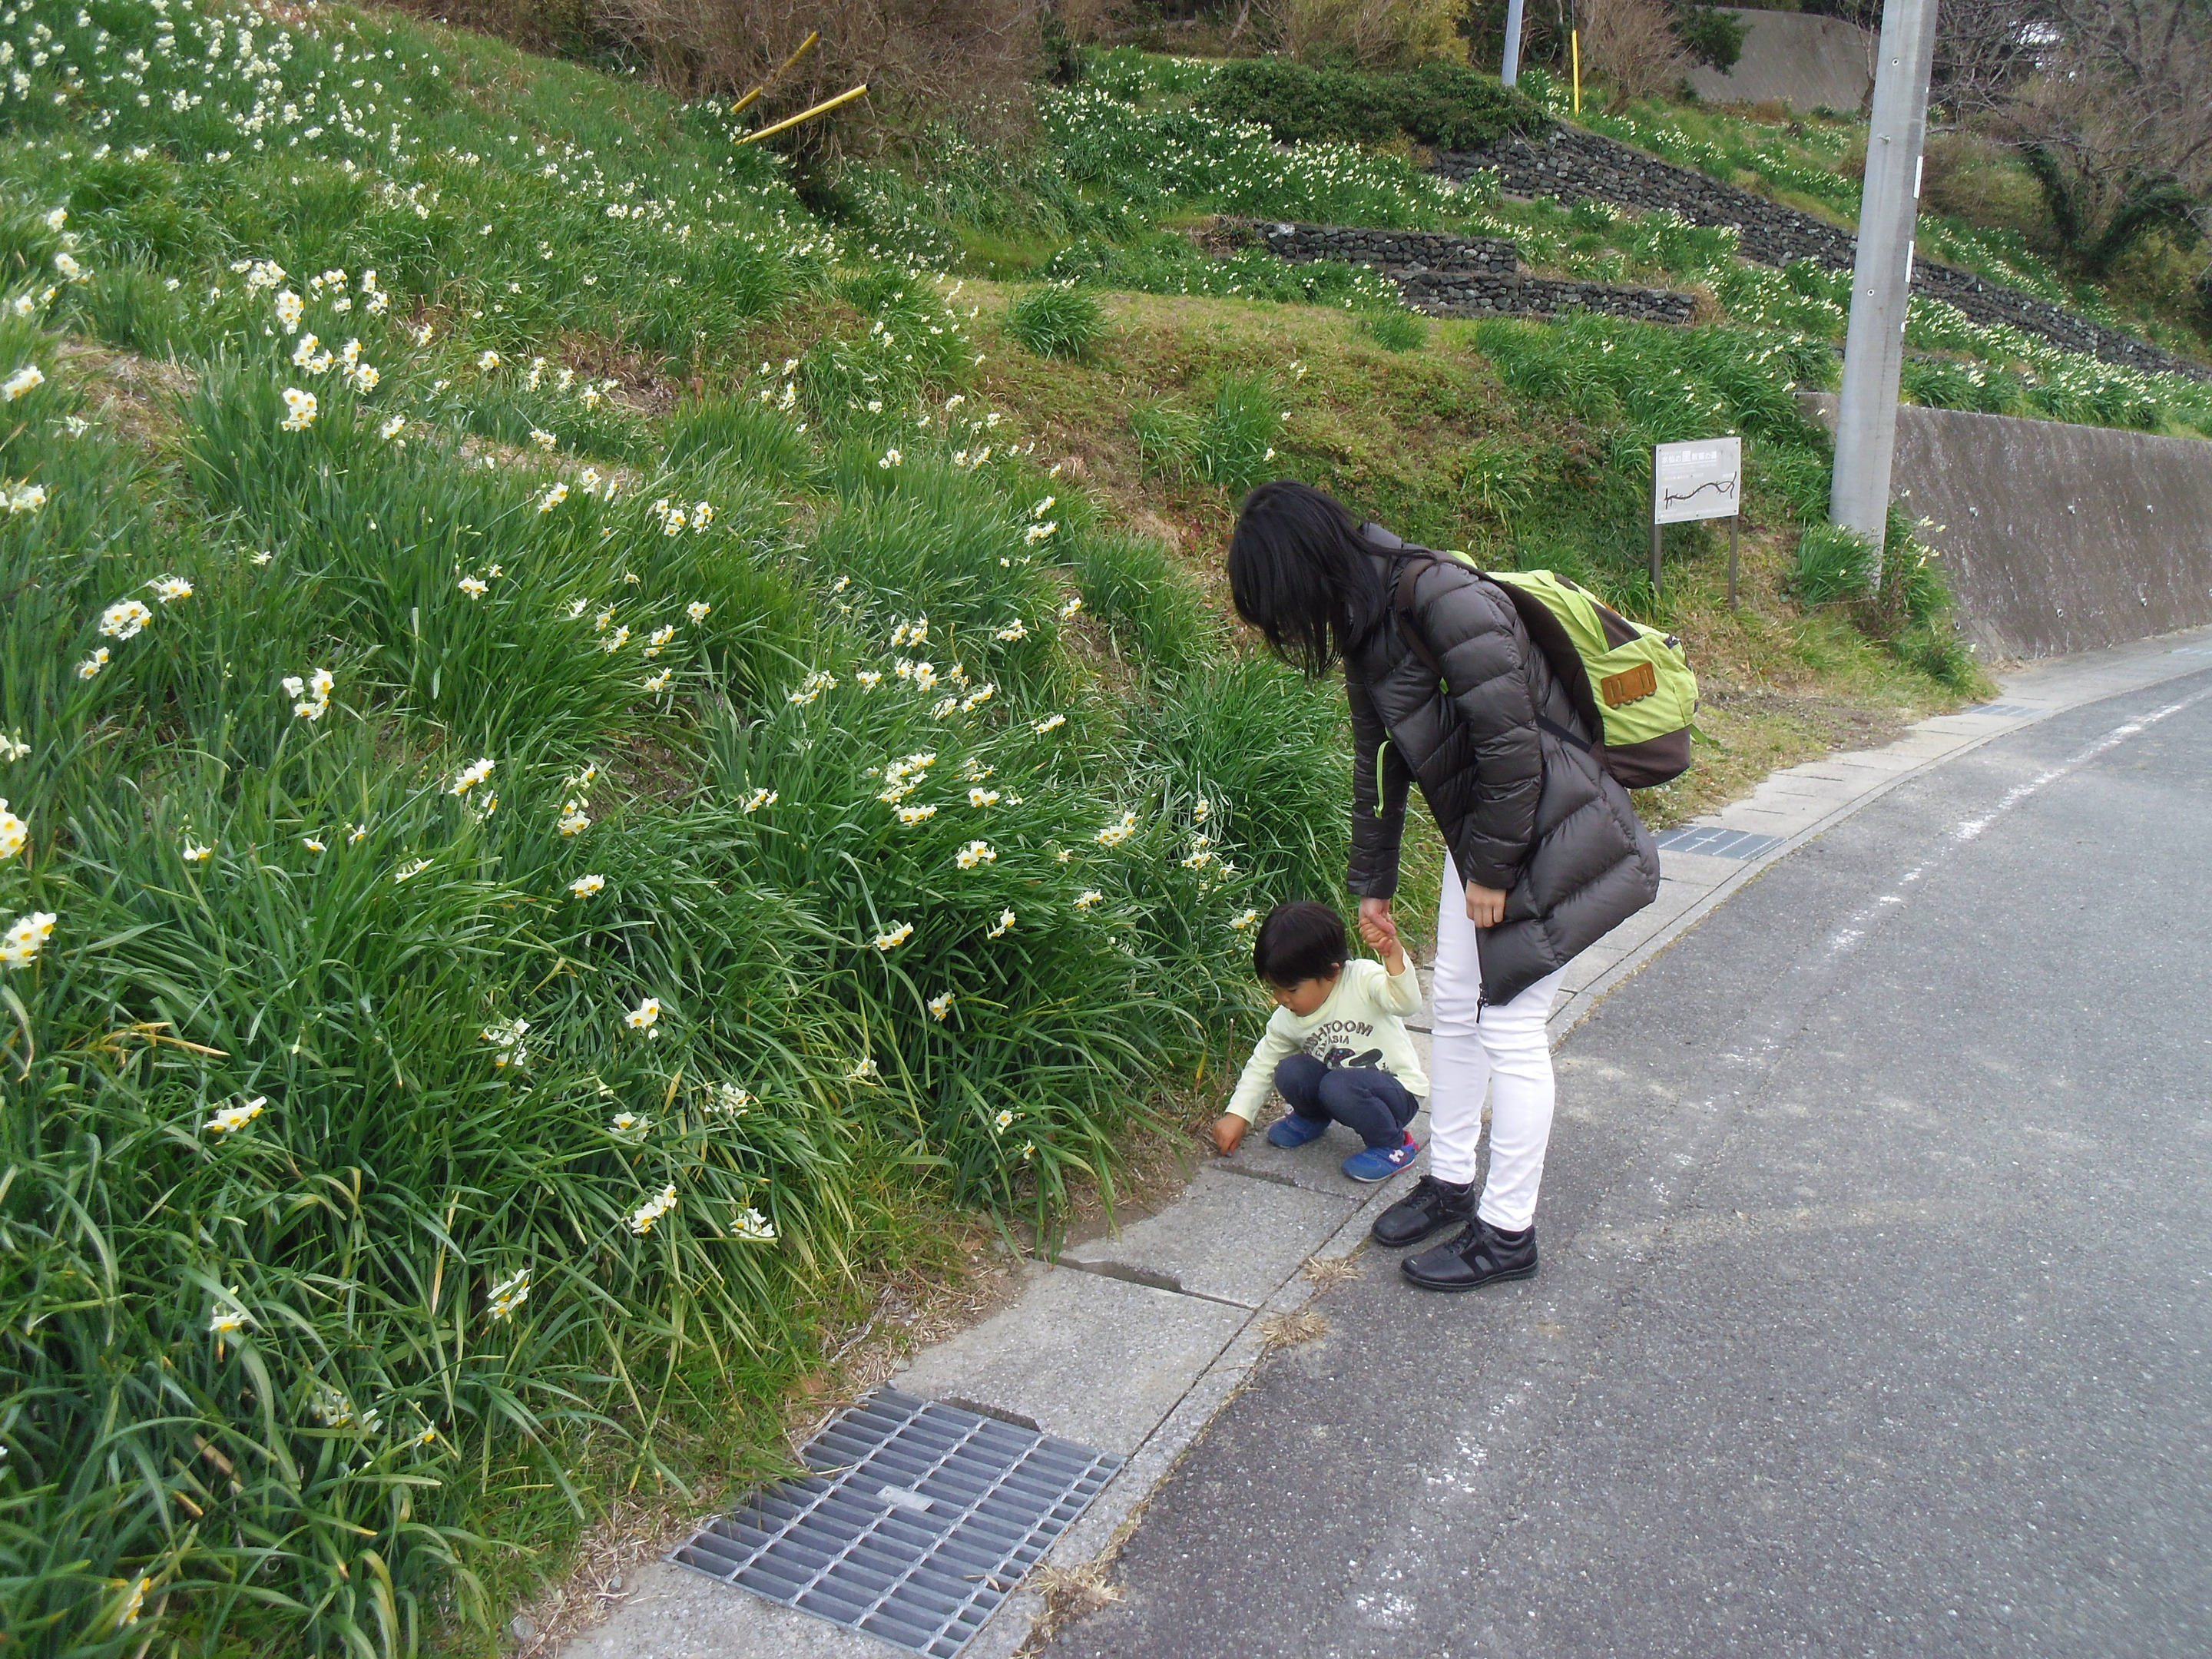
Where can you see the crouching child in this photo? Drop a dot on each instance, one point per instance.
(1336, 1046)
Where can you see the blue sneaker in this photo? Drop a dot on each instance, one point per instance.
(1292, 1130)
(1380, 1162)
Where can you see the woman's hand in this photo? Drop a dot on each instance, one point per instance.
(1485, 906)
(1376, 925)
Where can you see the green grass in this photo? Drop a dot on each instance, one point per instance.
(1054, 321)
(1135, 146)
(1231, 444)
(717, 848)
(1395, 330)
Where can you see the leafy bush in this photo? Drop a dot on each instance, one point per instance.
(1447, 105)
(1453, 106)
(1371, 33)
(1714, 36)
(1056, 320)
(1299, 104)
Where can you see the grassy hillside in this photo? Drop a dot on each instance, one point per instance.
(593, 759)
(541, 850)
(1131, 152)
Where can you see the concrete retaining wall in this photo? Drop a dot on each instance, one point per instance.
(1573, 163)
(1458, 276)
(2057, 539)
(1807, 63)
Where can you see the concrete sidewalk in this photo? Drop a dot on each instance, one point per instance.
(1133, 1342)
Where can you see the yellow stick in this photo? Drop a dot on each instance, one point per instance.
(823, 108)
(1575, 48)
(782, 69)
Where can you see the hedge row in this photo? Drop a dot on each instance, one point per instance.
(1445, 106)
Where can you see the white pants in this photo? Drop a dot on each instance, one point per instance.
(1504, 1053)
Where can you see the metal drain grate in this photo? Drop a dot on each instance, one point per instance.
(919, 1519)
(1713, 842)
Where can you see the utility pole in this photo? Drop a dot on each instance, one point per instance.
(1882, 278)
(1510, 71)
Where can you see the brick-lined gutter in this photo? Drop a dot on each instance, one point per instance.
(1457, 276)
(1574, 164)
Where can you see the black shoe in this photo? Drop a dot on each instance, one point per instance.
(1479, 1255)
(1430, 1208)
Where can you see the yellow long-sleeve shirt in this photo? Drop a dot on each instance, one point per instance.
(1362, 1024)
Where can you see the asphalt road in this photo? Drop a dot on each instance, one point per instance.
(1877, 1295)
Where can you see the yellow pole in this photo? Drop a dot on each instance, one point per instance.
(1574, 50)
(784, 69)
(822, 108)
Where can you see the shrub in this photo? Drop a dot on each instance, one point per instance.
(1369, 35)
(1712, 36)
(1300, 104)
(1447, 105)
(1452, 106)
(1631, 46)
(1056, 320)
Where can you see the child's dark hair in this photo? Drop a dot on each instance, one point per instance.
(1300, 941)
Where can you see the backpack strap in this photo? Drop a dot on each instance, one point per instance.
(1402, 605)
(1545, 632)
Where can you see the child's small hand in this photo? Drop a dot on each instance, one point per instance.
(1229, 1132)
(1380, 929)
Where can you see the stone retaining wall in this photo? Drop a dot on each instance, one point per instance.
(1573, 164)
(1458, 276)
(1452, 294)
(1385, 250)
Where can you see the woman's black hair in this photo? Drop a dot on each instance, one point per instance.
(1301, 941)
(1299, 572)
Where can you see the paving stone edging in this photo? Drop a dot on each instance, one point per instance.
(1574, 164)
(675, 1614)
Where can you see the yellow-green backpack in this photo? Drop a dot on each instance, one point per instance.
(1631, 683)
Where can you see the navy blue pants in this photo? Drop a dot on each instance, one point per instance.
(1371, 1103)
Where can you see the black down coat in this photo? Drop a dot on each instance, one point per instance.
(1521, 808)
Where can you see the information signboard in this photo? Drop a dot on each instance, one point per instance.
(1700, 479)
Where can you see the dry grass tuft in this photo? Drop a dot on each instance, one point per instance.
(1289, 1330)
(1075, 1592)
(1326, 1273)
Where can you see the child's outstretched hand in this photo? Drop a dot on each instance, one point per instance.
(1229, 1132)
(1380, 929)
